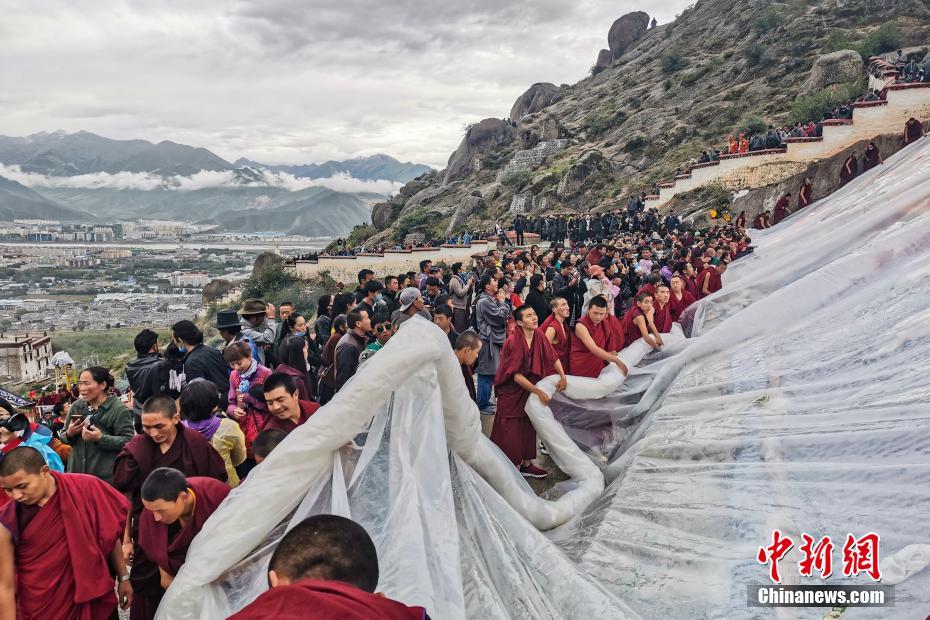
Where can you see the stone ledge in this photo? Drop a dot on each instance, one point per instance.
(754, 153)
(803, 140)
(706, 164)
(836, 122)
(869, 104)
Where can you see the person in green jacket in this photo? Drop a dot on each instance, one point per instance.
(97, 426)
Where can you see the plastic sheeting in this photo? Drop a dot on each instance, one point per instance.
(802, 406)
(439, 528)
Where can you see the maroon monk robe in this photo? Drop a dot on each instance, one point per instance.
(631, 331)
(192, 455)
(663, 318)
(169, 552)
(677, 305)
(870, 159)
(691, 286)
(310, 599)
(63, 549)
(781, 210)
(307, 409)
(469, 378)
(513, 432)
(804, 196)
(583, 362)
(563, 339)
(714, 284)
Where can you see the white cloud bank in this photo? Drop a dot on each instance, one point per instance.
(205, 179)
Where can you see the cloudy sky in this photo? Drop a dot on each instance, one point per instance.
(291, 81)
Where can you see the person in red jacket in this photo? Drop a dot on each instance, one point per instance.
(326, 567)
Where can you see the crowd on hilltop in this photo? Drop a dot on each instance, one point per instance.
(134, 477)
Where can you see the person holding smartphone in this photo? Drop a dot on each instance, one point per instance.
(97, 426)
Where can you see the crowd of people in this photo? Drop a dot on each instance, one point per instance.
(129, 480)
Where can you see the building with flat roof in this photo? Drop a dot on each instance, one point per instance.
(25, 357)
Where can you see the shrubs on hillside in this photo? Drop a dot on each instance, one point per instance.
(516, 179)
(673, 61)
(886, 38)
(813, 107)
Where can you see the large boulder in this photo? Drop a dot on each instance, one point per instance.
(382, 214)
(842, 67)
(469, 206)
(604, 58)
(265, 260)
(552, 129)
(626, 31)
(216, 290)
(536, 97)
(590, 163)
(480, 137)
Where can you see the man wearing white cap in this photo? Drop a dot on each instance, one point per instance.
(411, 302)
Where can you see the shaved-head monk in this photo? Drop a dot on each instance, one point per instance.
(326, 567)
(679, 299)
(596, 343)
(662, 317)
(637, 322)
(709, 280)
(60, 543)
(175, 509)
(526, 358)
(557, 331)
(165, 442)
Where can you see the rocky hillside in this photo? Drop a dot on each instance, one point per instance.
(656, 96)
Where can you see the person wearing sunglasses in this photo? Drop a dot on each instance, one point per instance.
(383, 329)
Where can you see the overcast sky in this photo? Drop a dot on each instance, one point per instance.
(291, 81)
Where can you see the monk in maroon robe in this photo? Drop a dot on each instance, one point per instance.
(806, 193)
(176, 508)
(913, 131)
(679, 299)
(526, 358)
(850, 170)
(740, 221)
(662, 319)
(557, 331)
(871, 157)
(60, 542)
(283, 400)
(165, 442)
(710, 280)
(326, 567)
(467, 348)
(637, 322)
(596, 342)
(781, 209)
(762, 221)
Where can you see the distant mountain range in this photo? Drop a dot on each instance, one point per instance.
(83, 177)
(371, 168)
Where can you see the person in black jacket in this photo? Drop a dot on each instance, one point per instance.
(536, 299)
(350, 346)
(137, 371)
(201, 361)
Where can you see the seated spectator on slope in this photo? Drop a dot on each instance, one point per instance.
(709, 280)
(637, 322)
(325, 567)
(284, 404)
(679, 299)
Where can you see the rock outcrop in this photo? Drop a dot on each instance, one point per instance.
(265, 260)
(480, 138)
(469, 206)
(626, 31)
(842, 67)
(537, 97)
(604, 58)
(382, 214)
(588, 164)
(216, 290)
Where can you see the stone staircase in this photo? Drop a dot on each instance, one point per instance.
(757, 168)
(530, 159)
